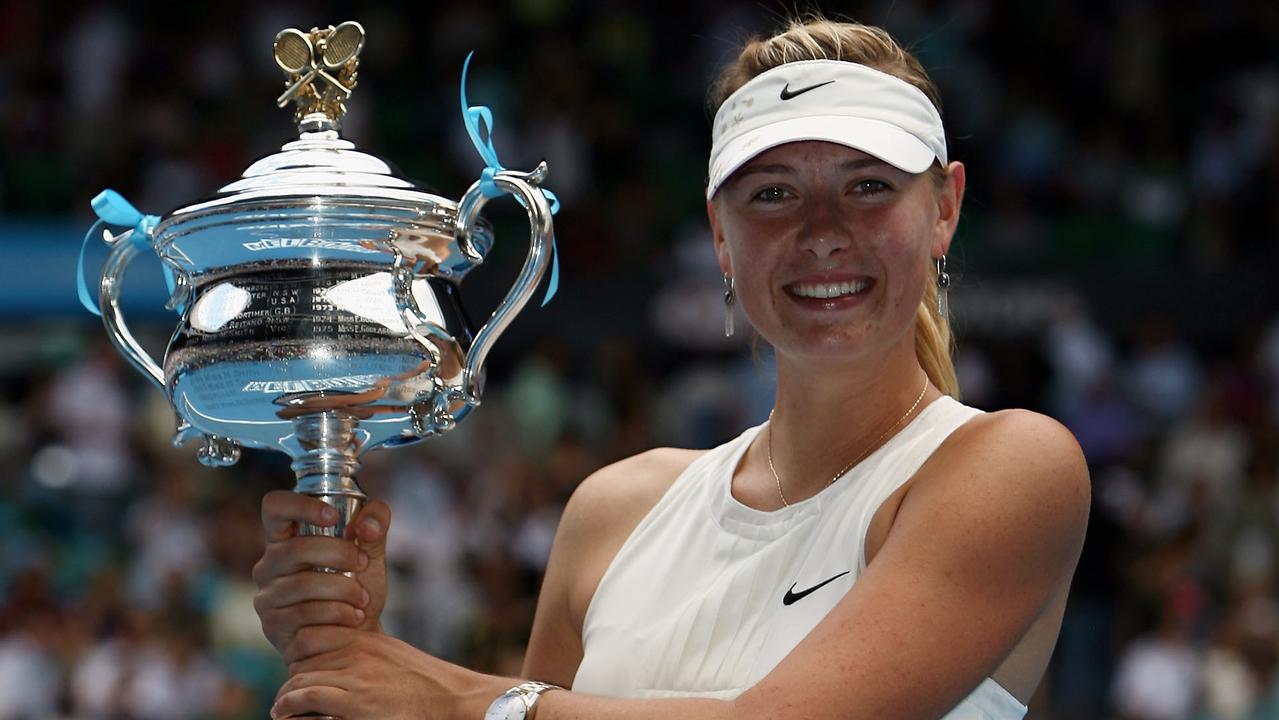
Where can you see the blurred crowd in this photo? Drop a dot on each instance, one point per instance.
(1123, 165)
(1133, 133)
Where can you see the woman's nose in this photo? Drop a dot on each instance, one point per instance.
(826, 231)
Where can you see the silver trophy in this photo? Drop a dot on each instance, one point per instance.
(319, 294)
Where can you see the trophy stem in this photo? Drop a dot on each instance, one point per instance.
(327, 469)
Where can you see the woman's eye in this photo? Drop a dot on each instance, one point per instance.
(871, 187)
(770, 194)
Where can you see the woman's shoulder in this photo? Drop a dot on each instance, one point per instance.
(1019, 433)
(996, 470)
(621, 494)
(1013, 453)
(602, 513)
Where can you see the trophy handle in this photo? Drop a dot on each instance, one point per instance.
(122, 253)
(525, 187)
(216, 451)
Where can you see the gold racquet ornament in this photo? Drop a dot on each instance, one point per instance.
(330, 54)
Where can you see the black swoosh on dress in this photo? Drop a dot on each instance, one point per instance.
(791, 597)
(787, 93)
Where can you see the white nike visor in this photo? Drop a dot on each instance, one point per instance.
(831, 100)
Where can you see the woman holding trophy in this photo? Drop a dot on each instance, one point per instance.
(876, 549)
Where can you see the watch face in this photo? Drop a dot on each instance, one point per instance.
(507, 707)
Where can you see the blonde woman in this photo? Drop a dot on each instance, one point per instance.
(875, 550)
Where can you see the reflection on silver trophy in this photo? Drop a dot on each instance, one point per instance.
(318, 293)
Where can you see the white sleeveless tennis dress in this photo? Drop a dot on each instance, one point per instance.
(692, 605)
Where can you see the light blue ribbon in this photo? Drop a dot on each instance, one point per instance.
(473, 116)
(112, 209)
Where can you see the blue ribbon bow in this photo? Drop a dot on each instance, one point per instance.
(473, 116)
(112, 209)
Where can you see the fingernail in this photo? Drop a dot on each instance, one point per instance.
(372, 526)
(274, 711)
(329, 515)
(364, 598)
(362, 562)
(359, 615)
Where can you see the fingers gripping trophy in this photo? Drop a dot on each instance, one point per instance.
(318, 293)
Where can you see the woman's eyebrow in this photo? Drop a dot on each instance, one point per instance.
(775, 168)
(862, 163)
(783, 169)
(858, 164)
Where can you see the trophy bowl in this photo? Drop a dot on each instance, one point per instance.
(318, 293)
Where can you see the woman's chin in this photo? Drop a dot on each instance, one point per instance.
(836, 345)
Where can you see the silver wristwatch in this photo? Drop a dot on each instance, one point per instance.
(518, 703)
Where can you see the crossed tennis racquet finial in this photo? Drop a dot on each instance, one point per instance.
(295, 53)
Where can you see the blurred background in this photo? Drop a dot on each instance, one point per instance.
(1115, 269)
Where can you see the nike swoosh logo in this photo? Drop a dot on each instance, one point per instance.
(787, 93)
(791, 597)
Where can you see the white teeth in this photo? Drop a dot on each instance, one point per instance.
(828, 290)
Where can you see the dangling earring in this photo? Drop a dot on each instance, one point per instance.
(943, 284)
(730, 299)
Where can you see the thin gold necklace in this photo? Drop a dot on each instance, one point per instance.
(850, 465)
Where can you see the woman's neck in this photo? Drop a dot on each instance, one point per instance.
(823, 421)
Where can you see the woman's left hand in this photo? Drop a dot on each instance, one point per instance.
(353, 674)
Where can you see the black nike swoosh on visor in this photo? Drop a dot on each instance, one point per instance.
(787, 93)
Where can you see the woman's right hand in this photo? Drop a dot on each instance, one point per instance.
(292, 595)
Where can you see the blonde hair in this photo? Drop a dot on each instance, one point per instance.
(820, 39)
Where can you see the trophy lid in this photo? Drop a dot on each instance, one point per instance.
(320, 172)
(318, 163)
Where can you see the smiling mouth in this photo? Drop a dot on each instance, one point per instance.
(826, 291)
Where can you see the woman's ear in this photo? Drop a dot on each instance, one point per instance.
(717, 236)
(950, 200)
